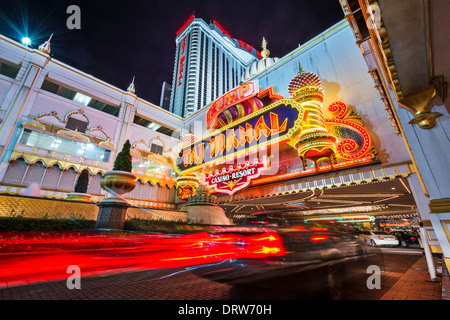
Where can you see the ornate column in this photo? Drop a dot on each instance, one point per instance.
(314, 142)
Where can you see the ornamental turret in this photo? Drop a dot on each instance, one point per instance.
(314, 142)
(187, 183)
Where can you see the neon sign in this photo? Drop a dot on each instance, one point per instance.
(232, 97)
(180, 72)
(185, 24)
(236, 178)
(273, 124)
(241, 43)
(343, 219)
(249, 48)
(222, 29)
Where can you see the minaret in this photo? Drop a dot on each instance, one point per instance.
(45, 47)
(265, 53)
(131, 88)
(314, 142)
(187, 184)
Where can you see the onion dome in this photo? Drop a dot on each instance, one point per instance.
(304, 79)
(259, 66)
(188, 138)
(314, 142)
(202, 196)
(306, 86)
(202, 189)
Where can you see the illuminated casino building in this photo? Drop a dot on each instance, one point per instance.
(57, 121)
(314, 134)
(208, 63)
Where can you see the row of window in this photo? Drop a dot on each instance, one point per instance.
(79, 97)
(155, 126)
(66, 146)
(9, 70)
(140, 163)
(20, 173)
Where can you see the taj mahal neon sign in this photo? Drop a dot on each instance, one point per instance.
(271, 125)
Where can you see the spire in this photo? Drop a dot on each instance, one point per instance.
(300, 69)
(45, 47)
(265, 53)
(131, 88)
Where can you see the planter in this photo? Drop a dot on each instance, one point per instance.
(76, 196)
(117, 183)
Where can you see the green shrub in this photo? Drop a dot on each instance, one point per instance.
(83, 182)
(123, 159)
(44, 224)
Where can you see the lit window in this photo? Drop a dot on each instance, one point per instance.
(154, 126)
(81, 98)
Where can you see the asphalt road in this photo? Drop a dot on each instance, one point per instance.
(181, 284)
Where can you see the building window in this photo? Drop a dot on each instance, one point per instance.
(75, 124)
(144, 164)
(51, 177)
(66, 146)
(154, 126)
(79, 98)
(15, 172)
(157, 149)
(9, 70)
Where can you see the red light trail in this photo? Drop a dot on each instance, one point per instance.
(36, 257)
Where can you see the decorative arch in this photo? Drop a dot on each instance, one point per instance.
(66, 117)
(158, 138)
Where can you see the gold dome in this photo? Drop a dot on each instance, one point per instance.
(304, 79)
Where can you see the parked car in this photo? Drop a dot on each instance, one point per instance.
(406, 238)
(379, 238)
(315, 261)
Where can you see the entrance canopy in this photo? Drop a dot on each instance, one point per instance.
(377, 191)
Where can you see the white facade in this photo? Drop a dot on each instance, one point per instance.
(48, 92)
(337, 60)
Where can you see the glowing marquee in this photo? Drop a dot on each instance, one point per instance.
(232, 97)
(236, 178)
(273, 124)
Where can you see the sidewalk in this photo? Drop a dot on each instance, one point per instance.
(416, 284)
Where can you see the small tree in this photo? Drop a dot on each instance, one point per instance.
(123, 159)
(83, 182)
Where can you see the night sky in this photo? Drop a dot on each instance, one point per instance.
(122, 39)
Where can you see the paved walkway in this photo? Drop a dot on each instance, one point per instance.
(416, 284)
(411, 282)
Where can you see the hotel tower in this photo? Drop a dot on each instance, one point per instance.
(208, 63)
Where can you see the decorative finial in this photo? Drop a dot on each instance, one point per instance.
(131, 88)
(45, 47)
(190, 129)
(265, 52)
(300, 69)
